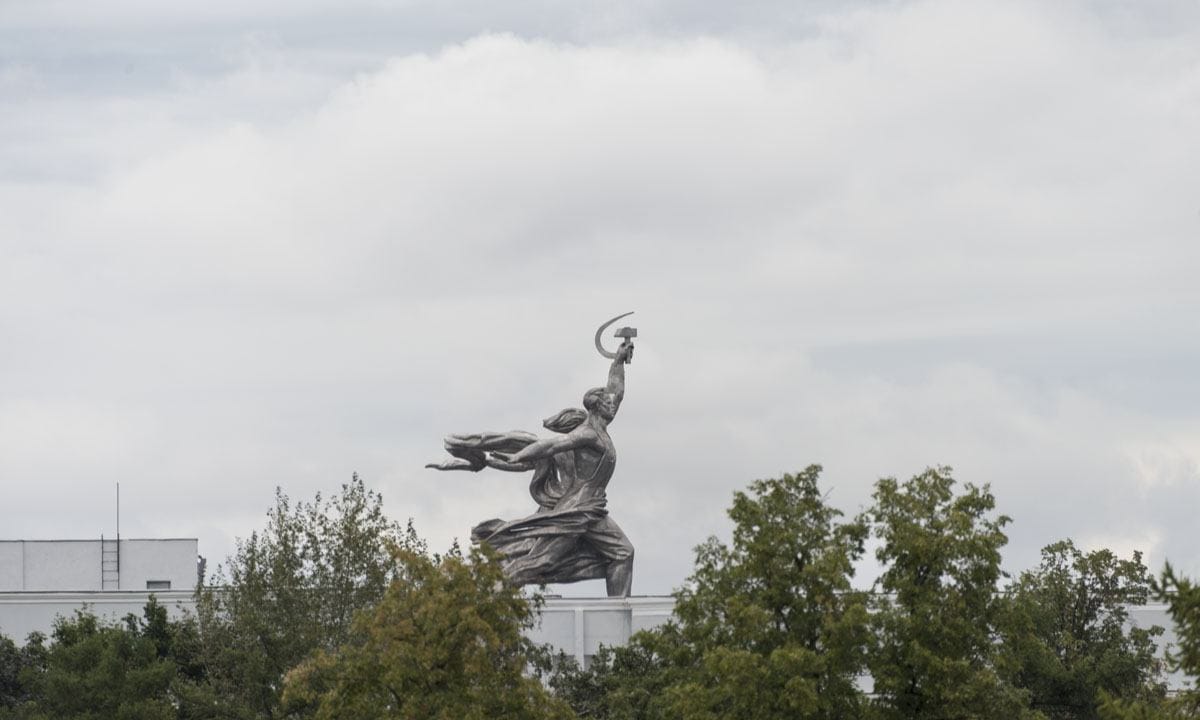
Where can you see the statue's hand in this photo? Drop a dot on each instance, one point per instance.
(501, 456)
(625, 352)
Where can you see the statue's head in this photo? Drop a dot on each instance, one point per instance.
(601, 402)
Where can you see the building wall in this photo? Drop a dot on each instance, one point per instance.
(44, 579)
(75, 565)
(579, 626)
(170, 560)
(26, 612)
(50, 565)
(12, 565)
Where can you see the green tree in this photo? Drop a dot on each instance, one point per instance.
(768, 626)
(11, 690)
(17, 667)
(625, 682)
(96, 670)
(446, 642)
(936, 615)
(1182, 597)
(1064, 634)
(293, 589)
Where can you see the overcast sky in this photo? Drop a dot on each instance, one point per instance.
(248, 245)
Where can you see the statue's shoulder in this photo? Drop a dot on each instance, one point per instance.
(588, 436)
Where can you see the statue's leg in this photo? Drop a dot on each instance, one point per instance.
(610, 542)
(618, 581)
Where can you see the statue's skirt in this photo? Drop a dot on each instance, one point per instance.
(558, 545)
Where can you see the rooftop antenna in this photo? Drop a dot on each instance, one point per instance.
(118, 512)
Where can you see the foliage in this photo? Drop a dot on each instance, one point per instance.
(293, 589)
(1182, 597)
(1064, 632)
(11, 690)
(445, 642)
(772, 619)
(333, 611)
(768, 627)
(96, 670)
(19, 669)
(623, 682)
(934, 620)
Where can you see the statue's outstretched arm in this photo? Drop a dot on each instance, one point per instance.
(498, 464)
(545, 448)
(474, 451)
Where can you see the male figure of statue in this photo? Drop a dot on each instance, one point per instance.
(571, 537)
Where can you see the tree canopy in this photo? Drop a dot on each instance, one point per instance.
(770, 626)
(1066, 634)
(934, 617)
(92, 669)
(446, 641)
(1182, 596)
(767, 626)
(293, 589)
(335, 611)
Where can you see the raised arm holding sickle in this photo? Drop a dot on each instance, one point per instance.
(607, 403)
(571, 537)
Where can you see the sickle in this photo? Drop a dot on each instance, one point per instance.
(599, 345)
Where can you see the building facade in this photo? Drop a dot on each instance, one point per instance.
(579, 626)
(44, 579)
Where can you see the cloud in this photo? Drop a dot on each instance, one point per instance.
(921, 233)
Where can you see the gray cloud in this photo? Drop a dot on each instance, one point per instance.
(913, 234)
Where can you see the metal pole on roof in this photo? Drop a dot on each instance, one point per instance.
(118, 533)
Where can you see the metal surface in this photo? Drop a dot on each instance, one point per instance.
(571, 536)
(600, 332)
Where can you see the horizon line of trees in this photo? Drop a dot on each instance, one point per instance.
(333, 610)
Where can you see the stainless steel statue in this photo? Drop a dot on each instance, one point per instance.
(571, 536)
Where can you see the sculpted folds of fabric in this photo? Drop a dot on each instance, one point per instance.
(571, 536)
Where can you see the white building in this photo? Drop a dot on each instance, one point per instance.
(579, 626)
(43, 579)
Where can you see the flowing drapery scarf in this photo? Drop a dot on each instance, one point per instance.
(544, 547)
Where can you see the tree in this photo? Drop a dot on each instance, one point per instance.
(444, 642)
(293, 589)
(1064, 635)
(95, 670)
(11, 690)
(768, 627)
(18, 667)
(934, 621)
(1183, 605)
(625, 682)
(1182, 597)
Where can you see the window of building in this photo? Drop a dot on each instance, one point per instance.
(158, 584)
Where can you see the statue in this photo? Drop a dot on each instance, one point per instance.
(571, 537)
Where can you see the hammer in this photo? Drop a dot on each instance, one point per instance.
(627, 334)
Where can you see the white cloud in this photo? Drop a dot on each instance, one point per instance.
(929, 233)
